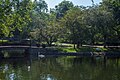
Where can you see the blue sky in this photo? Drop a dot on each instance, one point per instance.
(52, 3)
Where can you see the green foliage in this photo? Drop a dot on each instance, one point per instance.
(40, 6)
(14, 14)
(5, 17)
(62, 8)
(76, 24)
(64, 23)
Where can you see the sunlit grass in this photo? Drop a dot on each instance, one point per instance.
(82, 49)
(3, 41)
(67, 49)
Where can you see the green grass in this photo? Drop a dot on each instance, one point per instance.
(4, 41)
(82, 49)
(63, 44)
(69, 48)
(65, 49)
(85, 49)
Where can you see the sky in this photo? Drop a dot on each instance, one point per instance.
(52, 3)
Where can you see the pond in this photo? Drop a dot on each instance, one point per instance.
(60, 68)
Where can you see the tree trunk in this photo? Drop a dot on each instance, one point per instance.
(92, 41)
(79, 44)
(74, 46)
(49, 44)
(105, 38)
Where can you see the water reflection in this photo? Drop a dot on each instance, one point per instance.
(61, 68)
(47, 77)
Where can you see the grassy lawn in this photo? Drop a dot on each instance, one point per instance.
(82, 49)
(66, 49)
(69, 48)
(3, 41)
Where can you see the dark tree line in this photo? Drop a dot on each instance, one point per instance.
(96, 24)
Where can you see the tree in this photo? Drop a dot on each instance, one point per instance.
(73, 20)
(113, 6)
(49, 31)
(40, 6)
(6, 17)
(62, 8)
(22, 10)
(15, 14)
(39, 18)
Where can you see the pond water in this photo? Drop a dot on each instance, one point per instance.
(60, 68)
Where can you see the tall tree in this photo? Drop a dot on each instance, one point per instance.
(62, 7)
(40, 6)
(113, 7)
(21, 10)
(39, 18)
(73, 20)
